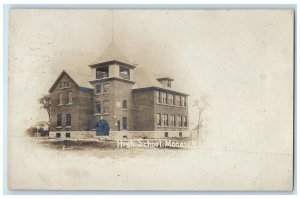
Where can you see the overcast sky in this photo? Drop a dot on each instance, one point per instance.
(240, 60)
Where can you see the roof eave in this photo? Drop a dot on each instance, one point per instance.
(164, 89)
(112, 61)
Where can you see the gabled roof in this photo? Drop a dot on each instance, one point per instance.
(111, 53)
(146, 79)
(81, 80)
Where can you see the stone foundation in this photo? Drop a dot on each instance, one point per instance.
(119, 134)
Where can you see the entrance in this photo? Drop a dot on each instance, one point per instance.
(102, 128)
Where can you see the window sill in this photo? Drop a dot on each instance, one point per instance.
(58, 127)
(68, 127)
(101, 114)
(69, 104)
(59, 104)
(97, 93)
(64, 88)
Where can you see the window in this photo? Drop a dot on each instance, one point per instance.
(172, 120)
(179, 121)
(158, 119)
(124, 72)
(165, 119)
(69, 98)
(158, 97)
(182, 101)
(106, 106)
(166, 134)
(98, 108)
(68, 135)
(64, 85)
(102, 72)
(58, 135)
(60, 98)
(125, 123)
(164, 98)
(185, 121)
(58, 120)
(98, 88)
(106, 88)
(178, 100)
(180, 134)
(124, 104)
(68, 120)
(67, 84)
(171, 99)
(169, 84)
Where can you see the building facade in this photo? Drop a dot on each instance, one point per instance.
(117, 99)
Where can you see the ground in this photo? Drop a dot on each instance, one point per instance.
(95, 168)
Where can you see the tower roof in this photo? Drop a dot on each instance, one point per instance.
(111, 53)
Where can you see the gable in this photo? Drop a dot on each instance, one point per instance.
(63, 77)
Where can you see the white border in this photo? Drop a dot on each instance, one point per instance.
(218, 4)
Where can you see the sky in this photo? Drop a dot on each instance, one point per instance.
(240, 61)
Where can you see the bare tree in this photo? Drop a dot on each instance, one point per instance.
(201, 106)
(45, 102)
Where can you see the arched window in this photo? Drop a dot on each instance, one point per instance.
(124, 104)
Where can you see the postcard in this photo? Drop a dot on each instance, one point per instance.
(155, 100)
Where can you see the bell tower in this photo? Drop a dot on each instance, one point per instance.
(112, 80)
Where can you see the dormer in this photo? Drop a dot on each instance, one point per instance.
(112, 63)
(166, 81)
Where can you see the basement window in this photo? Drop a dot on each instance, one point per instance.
(166, 134)
(68, 135)
(180, 134)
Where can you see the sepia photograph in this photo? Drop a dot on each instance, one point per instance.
(151, 99)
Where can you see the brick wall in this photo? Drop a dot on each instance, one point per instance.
(80, 109)
(118, 91)
(170, 110)
(143, 111)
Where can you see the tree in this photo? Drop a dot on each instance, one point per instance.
(45, 102)
(201, 105)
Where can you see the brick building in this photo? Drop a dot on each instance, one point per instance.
(117, 99)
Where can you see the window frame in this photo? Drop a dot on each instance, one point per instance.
(164, 98)
(60, 99)
(122, 75)
(179, 120)
(106, 90)
(59, 120)
(171, 99)
(69, 98)
(124, 123)
(158, 119)
(185, 121)
(172, 121)
(96, 88)
(165, 119)
(104, 70)
(100, 107)
(125, 104)
(68, 119)
(158, 97)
